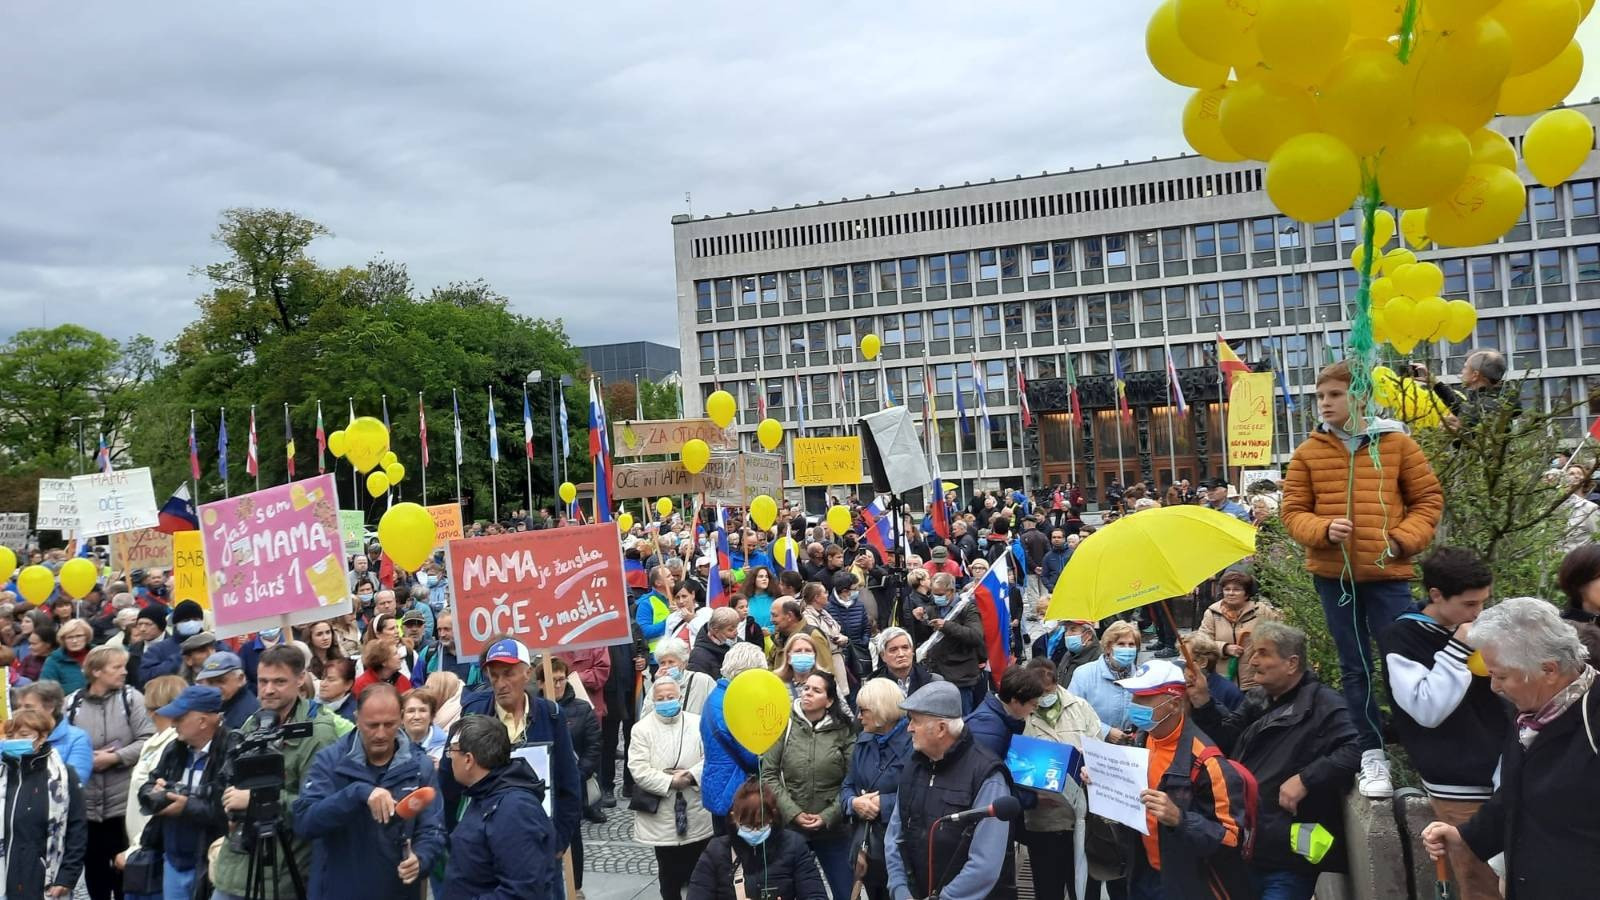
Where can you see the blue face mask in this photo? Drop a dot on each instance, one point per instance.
(941, 599)
(189, 628)
(1125, 656)
(673, 672)
(270, 635)
(15, 748)
(1074, 643)
(1141, 717)
(755, 837)
(802, 663)
(669, 709)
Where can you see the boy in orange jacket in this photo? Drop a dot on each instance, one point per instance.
(1361, 525)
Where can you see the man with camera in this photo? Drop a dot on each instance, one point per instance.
(371, 839)
(278, 675)
(183, 795)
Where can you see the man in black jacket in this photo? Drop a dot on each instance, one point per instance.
(1295, 735)
(184, 791)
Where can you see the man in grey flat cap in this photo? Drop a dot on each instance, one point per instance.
(948, 773)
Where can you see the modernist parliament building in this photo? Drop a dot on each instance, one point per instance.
(970, 281)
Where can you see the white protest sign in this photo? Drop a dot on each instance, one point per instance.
(58, 505)
(1116, 776)
(1251, 476)
(14, 530)
(112, 502)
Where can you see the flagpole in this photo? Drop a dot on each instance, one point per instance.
(529, 442)
(194, 455)
(1074, 425)
(1172, 414)
(1288, 400)
(1222, 406)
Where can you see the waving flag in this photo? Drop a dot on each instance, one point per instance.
(979, 388)
(527, 425)
(322, 442)
(992, 596)
(961, 408)
(494, 434)
(455, 412)
(716, 594)
(1283, 384)
(194, 450)
(177, 514)
(938, 509)
(600, 451)
(1229, 363)
(761, 402)
(288, 441)
(791, 556)
(799, 406)
(1121, 382)
(222, 444)
(1022, 396)
(875, 516)
(422, 429)
(103, 457)
(252, 466)
(1177, 389)
(1072, 392)
(561, 411)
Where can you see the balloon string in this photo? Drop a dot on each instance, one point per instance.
(1363, 352)
(1408, 29)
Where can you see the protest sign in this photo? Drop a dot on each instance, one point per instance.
(640, 480)
(58, 505)
(1251, 476)
(1117, 775)
(1250, 418)
(112, 502)
(446, 524)
(146, 548)
(829, 460)
(664, 436)
(14, 530)
(188, 579)
(557, 587)
(762, 474)
(352, 530)
(274, 553)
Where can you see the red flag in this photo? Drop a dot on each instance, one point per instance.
(1022, 396)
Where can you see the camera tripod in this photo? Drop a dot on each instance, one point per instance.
(261, 876)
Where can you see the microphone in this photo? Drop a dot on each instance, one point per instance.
(1005, 809)
(412, 804)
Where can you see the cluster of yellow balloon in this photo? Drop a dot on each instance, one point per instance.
(365, 443)
(77, 577)
(1407, 400)
(408, 535)
(1406, 306)
(721, 407)
(695, 454)
(1344, 98)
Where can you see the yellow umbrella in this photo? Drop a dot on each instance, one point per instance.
(1147, 557)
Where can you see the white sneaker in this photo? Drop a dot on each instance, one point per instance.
(1373, 779)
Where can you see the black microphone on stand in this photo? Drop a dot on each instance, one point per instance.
(1005, 809)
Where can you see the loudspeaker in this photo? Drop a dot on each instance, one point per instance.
(894, 452)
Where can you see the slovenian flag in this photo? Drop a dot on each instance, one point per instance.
(252, 466)
(875, 516)
(194, 450)
(716, 594)
(178, 514)
(992, 596)
(104, 456)
(600, 452)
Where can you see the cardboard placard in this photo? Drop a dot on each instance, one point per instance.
(664, 436)
(14, 530)
(188, 579)
(352, 530)
(446, 524)
(1251, 476)
(762, 474)
(827, 460)
(275, 553)
(557, 587)
(1250, 418)
(146, 548)
(58, 505)
(113, 502)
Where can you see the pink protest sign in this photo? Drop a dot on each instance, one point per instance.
(276, 552)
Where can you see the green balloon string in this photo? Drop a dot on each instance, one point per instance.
(1363, 352)
(1408, 29)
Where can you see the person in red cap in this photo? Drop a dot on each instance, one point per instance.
(1192, 849)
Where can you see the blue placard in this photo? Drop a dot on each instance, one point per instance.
(1043, 765)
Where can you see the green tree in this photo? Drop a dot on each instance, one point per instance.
(51, 376)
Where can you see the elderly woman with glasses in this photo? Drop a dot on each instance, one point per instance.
(1545, 815)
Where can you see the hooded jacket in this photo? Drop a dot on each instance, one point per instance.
(118, 717)
(1401, 502)
(806, 769)
(504, 846)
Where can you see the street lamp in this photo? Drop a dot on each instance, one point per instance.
(79, 421)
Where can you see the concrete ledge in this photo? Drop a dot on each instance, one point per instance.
(1387, 861)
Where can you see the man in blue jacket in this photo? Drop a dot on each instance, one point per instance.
(529, 719)
(504, 845)
(1004, 713)
(349, 808)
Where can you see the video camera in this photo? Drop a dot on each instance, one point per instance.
(255, 764)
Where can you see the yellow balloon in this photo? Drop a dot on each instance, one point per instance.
(757, 709)
(770, 433)
(1476, 665)
(838, 519)
(1465, 64)
(1172, 58)
(77, 577)
(1399, 317)
(377, 483)
(1256, 117)
(1431, 316)
(1394, 259)
(8, 563)
(1544, 87)
(720, 406)
(1484, 206)
(782, 547)
(1358, 256)
(1382, 227)
(1380, 325)
(1202, 127)
(396, 472)
(389, 459)
(1539, 30)
(1382, 291)
(1556, 145)
(763, 512)
(625, 522)
(366, 441)
(1463, 318)
(870, 345)
(1222, 31)
(36, 584)
(664, 507)
(695, 454)
(1302, 39)
(1492, 148)
(1313, 177)
(407, 534)
(1403, 344)
(1376, 18)
(1414, 228)
(1467, 115)
(1423, 279)
(1364, 100)
(1451, 14)
(568, 492)
(336, 443)
(1423, 164)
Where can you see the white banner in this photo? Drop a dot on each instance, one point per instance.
(58, 505)
(112, 502)
(14, 530)
(1117, 775)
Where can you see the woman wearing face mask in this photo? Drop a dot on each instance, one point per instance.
(806, 769)
(1070, 644)
(64, 666)
(800, 657)
(1064, 719)
(1097, 681)
(956, 651)
(918, 598)
(773, 861)
(665, 759)
(672, 658)
(44, 830)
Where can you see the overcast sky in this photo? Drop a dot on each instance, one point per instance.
(543, 147)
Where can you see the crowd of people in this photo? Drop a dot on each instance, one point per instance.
(134, 731)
